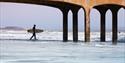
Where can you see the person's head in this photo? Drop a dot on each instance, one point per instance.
(34, 25)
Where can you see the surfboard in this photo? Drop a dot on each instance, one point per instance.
(37, 30)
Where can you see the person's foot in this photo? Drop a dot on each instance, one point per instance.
(35, 39)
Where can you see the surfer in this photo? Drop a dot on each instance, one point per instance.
(34, 32)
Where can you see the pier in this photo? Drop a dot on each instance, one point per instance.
(87, 5)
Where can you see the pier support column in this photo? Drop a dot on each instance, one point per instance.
(65, 25)
(87, 25)
(102, 24)
(114, 25)
(75, 24)
(102, 11)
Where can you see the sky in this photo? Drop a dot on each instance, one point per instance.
(50, 18)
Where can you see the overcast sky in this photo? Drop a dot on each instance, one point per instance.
(49, 18)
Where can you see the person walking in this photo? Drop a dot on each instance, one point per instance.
(34, 32)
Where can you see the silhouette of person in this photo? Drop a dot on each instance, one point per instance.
(34, 32)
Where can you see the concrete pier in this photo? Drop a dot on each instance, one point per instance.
(87, 25)
(65, 5)
(75, 24)
(114, 24)
(65, 25)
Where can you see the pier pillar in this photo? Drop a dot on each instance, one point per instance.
(102, 11)
(87, 25)
(102, 24)
(114, 25)
(65, 25)
(75, 24)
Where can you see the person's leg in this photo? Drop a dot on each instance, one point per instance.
(31, 37)
(35, 36)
